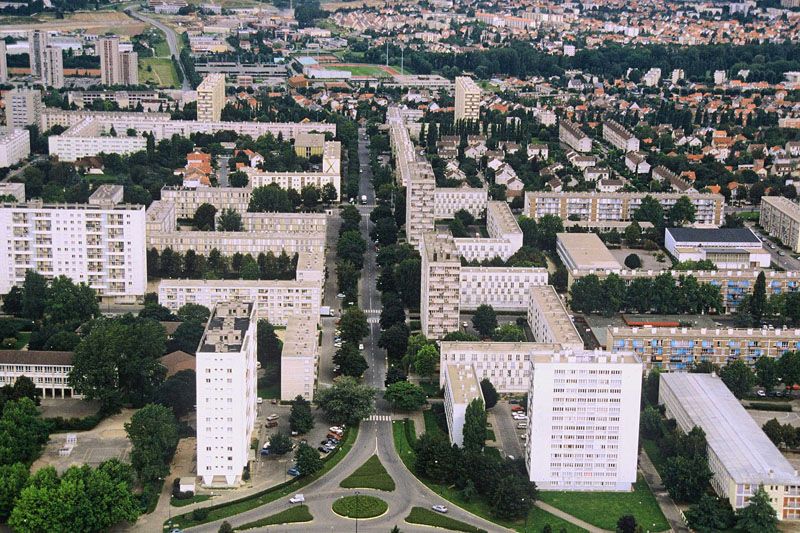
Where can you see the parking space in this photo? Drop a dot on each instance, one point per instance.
(505, 430)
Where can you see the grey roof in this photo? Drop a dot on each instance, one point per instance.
(734, 437)
(713, 235)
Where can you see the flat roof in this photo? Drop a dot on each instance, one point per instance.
(741, 446)
(554, 312)
(715, 235)
(301, 337)
(440, 248)
(463, 383)
(586, 250)
(226, 328)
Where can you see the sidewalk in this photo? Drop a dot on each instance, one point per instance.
(668, 507)
(569, 518)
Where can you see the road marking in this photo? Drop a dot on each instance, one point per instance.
(380, 418)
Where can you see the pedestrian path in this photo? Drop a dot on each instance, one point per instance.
(380, 418)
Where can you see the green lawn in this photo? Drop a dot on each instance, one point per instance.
(432, 426)
(653, 453)
(420, 515)
(603, 509)
(360, 506)
(224, 510)
(162, 48)
(189, 501)
(269, 385)
(361, 70)
(22, 339)
(750, 215)
(431, 389)
(370, 475)
(537, 518)
(299, 513)
(161, 72)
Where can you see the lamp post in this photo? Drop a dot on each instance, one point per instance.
(357, 508)
(526, 515)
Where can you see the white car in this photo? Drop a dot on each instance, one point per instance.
(360, 346)
(439, 508)
(259, 400)
(341, 295)
(297, 498)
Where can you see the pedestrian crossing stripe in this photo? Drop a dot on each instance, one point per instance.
(380, 418)
(373, 320)
(372, 311)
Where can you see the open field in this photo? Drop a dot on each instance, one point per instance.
(161, 72)
(335, 6)
(98, 22)
(374, 71)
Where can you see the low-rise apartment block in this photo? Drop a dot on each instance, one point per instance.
(780, 218)
(583, 431)
(617, 206)
(583, 251)
(740, 455)
(461, 387)
(49, 371)
(549, 320)
(619, 137)
(679, 348)
(23, 108)
(13, 189)
(505, 236)
(186, 200)
(102, 246)
(504, 288)
(226, 393)
(571, 134)
(15, 145)
(447, 201)
(300, 357)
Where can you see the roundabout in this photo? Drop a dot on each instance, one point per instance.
(360, 506)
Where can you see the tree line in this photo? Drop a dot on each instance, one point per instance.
(169, 264)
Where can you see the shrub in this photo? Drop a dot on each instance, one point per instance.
(200, 514)
(785, 407)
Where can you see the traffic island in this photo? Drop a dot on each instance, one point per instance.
(360, 506)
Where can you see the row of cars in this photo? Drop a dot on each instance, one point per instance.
(518, 414)
(332, 440)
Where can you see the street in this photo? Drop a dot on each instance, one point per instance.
(172, 41)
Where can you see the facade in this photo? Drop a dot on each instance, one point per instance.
(504, 288)
(300, 357)
(187, 199)
(91, 137)
(677, 349)
(740, 455)
(309, 144)
(780, 218)
(505, 236)
(447, 201)
(617, 206)
(37, 43)
(619, 137)
(23, 108)
(110, 68)
(571, 134)
(584, 251)
(461, 387)
(102, 246)
(231, 242)
(129, 68)
(549, 320)
(13, 189)
(3, 63)
(49, 371)
(275, 300)
(330, 175)
(226, 393)
(584, 421)
(468, 99)
(735, 248)
(15, 145)
(53, 68)
(440, 286)
(211, 98)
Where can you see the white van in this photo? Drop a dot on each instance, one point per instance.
(522, 425)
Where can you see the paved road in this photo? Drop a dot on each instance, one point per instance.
(222, 171)
(506, 430)
(172, 41)
(375, 437)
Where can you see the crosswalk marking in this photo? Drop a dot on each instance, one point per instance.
(372, 311)
(373, 320)
(380, 418)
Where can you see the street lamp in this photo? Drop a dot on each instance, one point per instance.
(526, 515)
(357, 508)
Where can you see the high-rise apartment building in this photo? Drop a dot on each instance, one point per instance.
(129, 68)
(53, 73)
(226, 392)
(299, 357)
(211, 98)
(583, 431)
(468, 99)
(440, 301)
(23, 108)
(15, 145)
(3, 62)
(37, 43)
(780, 217)
(461, 387)
(108, 50)
(102, 246)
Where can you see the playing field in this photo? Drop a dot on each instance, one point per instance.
(97, 22)
(161, 72)
(361, 70)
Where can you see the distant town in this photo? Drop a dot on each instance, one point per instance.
(478, 266)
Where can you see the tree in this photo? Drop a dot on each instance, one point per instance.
(650, 423)
(489, 393)
(633, 234)
(682, 212)
(22, 432)
(34, 295)
(238, 179)
(789, 367)
(509, 333)
(204, 217)
(394, 340)
(187, 337)
(710, 514)
(586, 294)
(354, 325)
(311, 195)
(434, 457)
(738, 377)
(178, 392)
(351, 247)
(650, 210)
(117, 361)
(350, 360)
(759, 516)
(651, 386)
(549, 226)
(774, 431)
(280, 443)
(70, 304)
(300, 419)
(12, 302)
(307, 460)
(405, 396)
(12, 480)
(269, 347)
(633, 261)
(347, 401)
(153, 433)
(225, 527)
(229, 220)
(627, 524)
(83, 499)
(767, 372)
(686, 478)
(193, 313)
(395, 374)
(475, 426)
(351, 218)
(384, 231)
(484, 320)
(758, 300)
(329, 193)
(270, 198)
(426, 360)
(157, 312)
(512, 498)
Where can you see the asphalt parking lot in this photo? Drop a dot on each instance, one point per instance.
(505, 430)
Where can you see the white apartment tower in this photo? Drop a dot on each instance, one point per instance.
(211, 98)
(100, 245)
(23, 108)
(3, 62)
(583, 430)
(226, 393)
(299, 358)
(461, 387)
(440, 298)
(53, 68)
(468, 99)
(110, 71)
(37, 43)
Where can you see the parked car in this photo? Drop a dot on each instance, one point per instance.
(273, 416)
(322, 449)
(271, 423)
(341, 295)
(259, 400)
(439, 508)
(522, 425)
(360, 346)
(517, 408)
(336, 429)
(298, 498)
(293, 471)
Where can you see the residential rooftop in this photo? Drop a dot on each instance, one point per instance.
(227, 327)
(703, 235)
(463, 383)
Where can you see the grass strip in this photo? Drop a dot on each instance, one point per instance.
(197, 498)
(426, 517)
(370, 475)
(295, 514)
(224, 510)
(360, 506)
